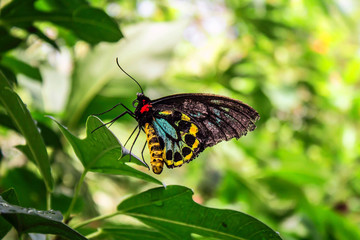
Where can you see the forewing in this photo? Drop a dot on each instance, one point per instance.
(217, 118)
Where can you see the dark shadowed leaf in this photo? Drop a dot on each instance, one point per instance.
(29, 186)
(172, 211)
(7, 41)
(90, 24)
(10, 75)
(29, 220)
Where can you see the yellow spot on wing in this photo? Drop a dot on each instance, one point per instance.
(188, 157)
(166, 112)
(184, 117)
(196, 144)
(193, 129)
(178, 163)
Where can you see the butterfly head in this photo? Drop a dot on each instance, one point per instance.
(143, 111)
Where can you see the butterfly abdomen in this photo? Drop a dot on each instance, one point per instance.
(156, 151)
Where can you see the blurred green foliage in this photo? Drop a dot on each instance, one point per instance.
(295, 62)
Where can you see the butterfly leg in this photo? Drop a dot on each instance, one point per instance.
(112, 121)
(119, 104)
(142, 152)
(132, 145)
(130, 135)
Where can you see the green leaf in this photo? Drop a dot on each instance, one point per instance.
(172, 211)
(29, 220)
(21, 67)
(90, 24)
(30, 188)
(101, 151)
(131, 233)
(10, 75)
(50, 137)
(94, 25)
(23, 121)
(19, 13)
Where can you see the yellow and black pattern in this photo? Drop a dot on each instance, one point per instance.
(156, 151)
(179, 135)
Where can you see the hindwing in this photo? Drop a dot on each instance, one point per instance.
(180, 137)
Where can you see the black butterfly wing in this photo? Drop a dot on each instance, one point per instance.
(216, 118)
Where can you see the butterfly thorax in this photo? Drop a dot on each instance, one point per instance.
(143, 111)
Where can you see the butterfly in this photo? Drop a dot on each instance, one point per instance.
(179, 127)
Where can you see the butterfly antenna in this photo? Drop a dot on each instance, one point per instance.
(98, 114)
(117, 62)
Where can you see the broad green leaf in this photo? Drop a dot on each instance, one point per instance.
(131, 233)
(172, 211)
(94, 25)
(101, 151)
(21, 67)
(29, 220)
(23, 121)
(90, 24)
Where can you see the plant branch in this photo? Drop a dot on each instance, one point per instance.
(76, 194)
(98, 218)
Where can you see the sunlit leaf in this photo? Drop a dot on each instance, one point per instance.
(172, 211)
(101, 151)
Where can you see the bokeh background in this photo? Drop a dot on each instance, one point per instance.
(296, 62)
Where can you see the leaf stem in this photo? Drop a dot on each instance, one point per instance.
(76, 194)
(96, 219)
(48, 200)
(94, 234)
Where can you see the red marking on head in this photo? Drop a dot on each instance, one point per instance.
(145, 108)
